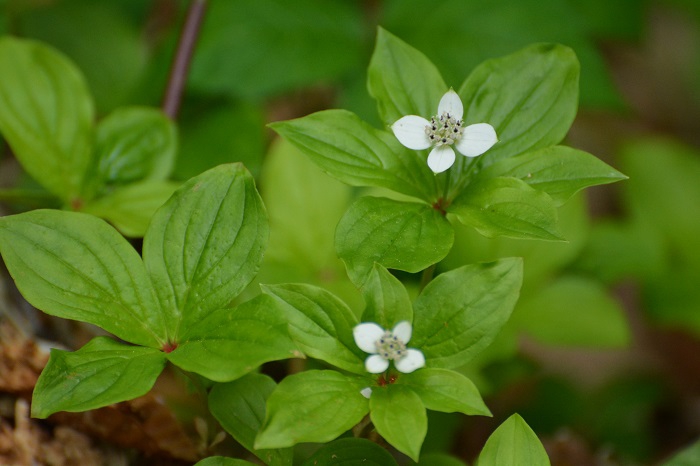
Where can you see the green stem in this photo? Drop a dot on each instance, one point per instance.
(362, 428)
(465, 177)
(446, 190)
(24, 195)
(427, 276)
(201, 389)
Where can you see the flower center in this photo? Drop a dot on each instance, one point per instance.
(389, 347)
(444, 130)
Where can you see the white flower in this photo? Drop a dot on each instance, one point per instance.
(385, 345)
(444, 130)
(366, 392)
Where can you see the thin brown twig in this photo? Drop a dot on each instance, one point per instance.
(183, 56)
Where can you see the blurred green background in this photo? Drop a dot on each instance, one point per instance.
(602, 356)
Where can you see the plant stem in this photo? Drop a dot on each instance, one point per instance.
(427, 276)
(24, 195)
(183, 56)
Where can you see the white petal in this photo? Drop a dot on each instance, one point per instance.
(402, 330)
(376, 364)
(366, 335)
(413, 360)
(452, 104)
(410, 131)
(476, 139)
(441, 158)
(366, 392)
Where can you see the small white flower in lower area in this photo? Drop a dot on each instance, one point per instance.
(388, 345)
(366, 392)
(444, 130)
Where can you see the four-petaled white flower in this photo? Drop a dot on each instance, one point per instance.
(444, 130)
(388, 345)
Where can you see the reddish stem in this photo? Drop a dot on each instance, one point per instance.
(183, 56)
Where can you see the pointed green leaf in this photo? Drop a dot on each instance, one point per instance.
(133, 144)
(239, 407)
(354, 152)
(320, 324)
(507, 207)
(386, 298)
(446, 391)
(559, 171)
(402, 80)
(205, 244)
(513, 444)
(399, 416)
(131, 207)
(351, 452)
(398, 235)
(75, 266)
(100, 373)
(230, 342)
(530, 97)
(46, 115)
(461, 311)
(312, 406)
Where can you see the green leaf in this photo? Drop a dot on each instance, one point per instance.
(230, 342)
(131, 207)
(205, 244)
(354, 152)
(446, 391)
(399, 416)
(513, 443)
(688, 457)
(100, 373)
(223, 461)
(320, 324)
(239, 407)
(402, 80)
(75, 266)
(559, 171)
(398, 235)
(386, 298)
(133, 144)
(574, 311)
(46, 115)
(461, 311)
(529, 97)
(507, 207)
(474, 31)
(312, 406)
(351, 452)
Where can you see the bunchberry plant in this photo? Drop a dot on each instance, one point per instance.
(116, 169)
(201, 249)
(457, 315)
(511, 112)
(485, 155)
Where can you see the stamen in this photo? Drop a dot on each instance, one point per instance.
(447, 133)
